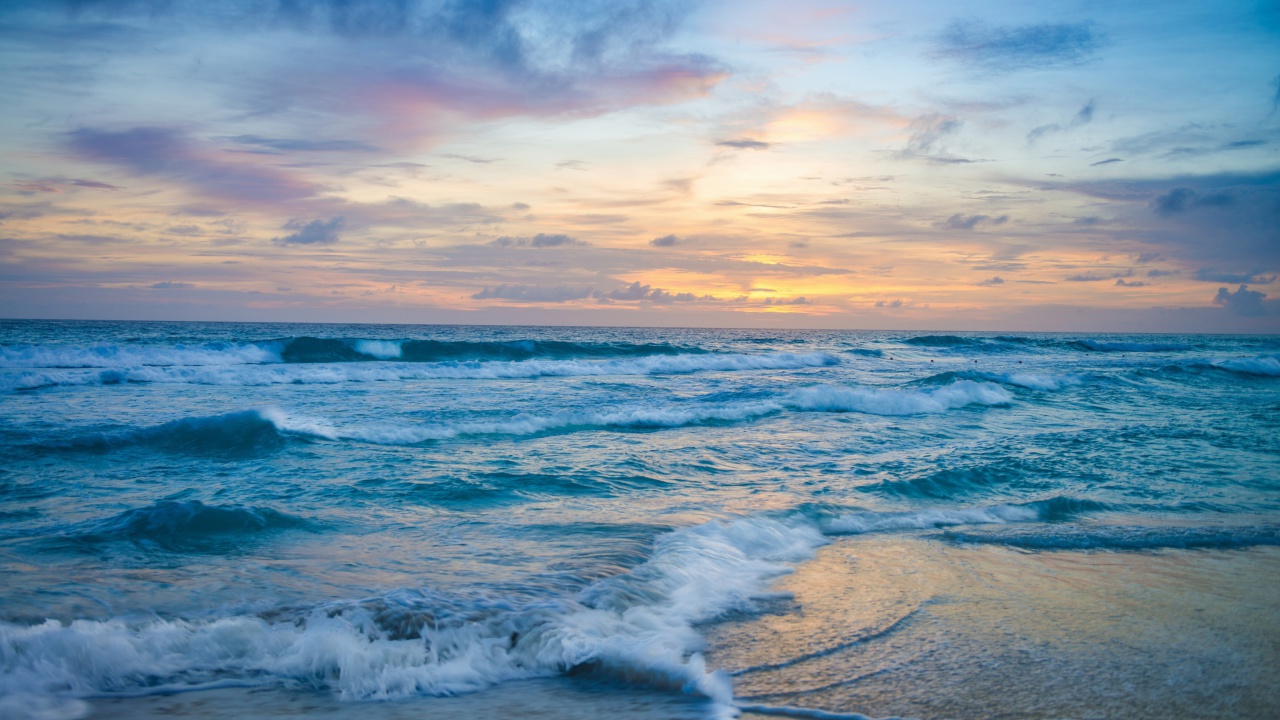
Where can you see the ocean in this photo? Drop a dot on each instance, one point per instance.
(226, 520)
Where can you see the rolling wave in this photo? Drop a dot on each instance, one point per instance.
(186, 525)
(343, 372)
(320, 350)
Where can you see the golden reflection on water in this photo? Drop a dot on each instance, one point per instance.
(919, 628)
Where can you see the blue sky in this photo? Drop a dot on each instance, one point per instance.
(1065, 166)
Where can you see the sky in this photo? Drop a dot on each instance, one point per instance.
(1065, 166)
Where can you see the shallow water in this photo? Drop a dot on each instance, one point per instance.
(387, 519)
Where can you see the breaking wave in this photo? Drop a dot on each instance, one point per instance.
(638, 626)
(342, 372)
(1030, 381)
(320, 350)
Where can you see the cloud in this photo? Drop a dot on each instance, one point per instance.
(1182, 199)
(745, 144)
(969, 222)
(1243, 301)
(1108, 161)
(541, 240)
(928, 139)
(470, 158)
(996, 280)
(1130, 283)
(1163, 273)
(294, 144)
(1003, 48)
(1083, 116)
(401, 71)
(787, 301)
(533, 293)
(316, 232)
(647, 293)
(1218, 276)
(1217, 218)
(171, 286)
(170, 153)
(664, 241)
(1095, 277)
(599, 219)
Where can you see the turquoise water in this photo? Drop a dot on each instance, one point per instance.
(390, 512)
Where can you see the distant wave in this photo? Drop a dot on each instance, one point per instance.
(1110, 537)
(1101, 346)
(332, 373)
(942, 341)
(319, 350)
(113, 356)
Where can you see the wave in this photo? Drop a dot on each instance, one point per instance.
(1110, 537)
(265, 430)
(184, 525)
(941, 341)
(111, 356)
(1101, 346)
(1030, 381)
(1265, 366)
(1050, 510)
(896, 401)
(820, 398)
(638, 626)
(320, 350)
(333, 373)
(248, 432)
(1008, 473)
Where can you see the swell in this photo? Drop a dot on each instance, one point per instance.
(1104, 537)
(187, 525)
(244, 433)
(1007, 475)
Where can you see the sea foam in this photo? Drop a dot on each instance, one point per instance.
(638, 626)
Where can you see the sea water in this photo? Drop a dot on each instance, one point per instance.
(256, 520)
